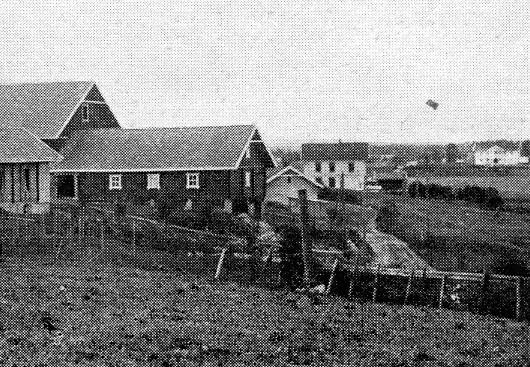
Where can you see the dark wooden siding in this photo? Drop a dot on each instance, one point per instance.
(99, 116)
(214, 186)
(94, 95)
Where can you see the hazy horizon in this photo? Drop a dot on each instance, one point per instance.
(301, 71)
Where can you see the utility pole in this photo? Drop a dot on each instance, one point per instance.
(307, 250)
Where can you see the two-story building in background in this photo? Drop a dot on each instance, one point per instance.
(497, 153)
(326, 162)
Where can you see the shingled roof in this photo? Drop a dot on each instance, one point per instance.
(41, 108)
(18, 145)
(334, 151)
(161, 149)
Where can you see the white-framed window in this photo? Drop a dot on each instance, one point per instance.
(84, 112)
(192, 180)
(115, 182)
(153, 181)
(248, 178)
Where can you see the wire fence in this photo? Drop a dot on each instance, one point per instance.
(97, 236)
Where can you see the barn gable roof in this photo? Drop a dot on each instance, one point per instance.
(156, 149)
(18, 145)
(334, 151)
(43, 109)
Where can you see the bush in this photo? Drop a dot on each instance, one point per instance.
(333, 194)
(387, 217)
(511, 266)
(290, 252)
(188, 218)
(221, 222)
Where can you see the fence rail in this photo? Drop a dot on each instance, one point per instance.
(52, 235)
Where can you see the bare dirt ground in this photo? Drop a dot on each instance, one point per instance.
(92, 314)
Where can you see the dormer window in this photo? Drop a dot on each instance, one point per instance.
(84, 113)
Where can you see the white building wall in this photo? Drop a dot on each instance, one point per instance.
(280, 189)
(352, 180)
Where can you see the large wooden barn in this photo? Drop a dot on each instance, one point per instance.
(35, 117)
(184, 166)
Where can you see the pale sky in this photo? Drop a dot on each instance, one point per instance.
(357, 70)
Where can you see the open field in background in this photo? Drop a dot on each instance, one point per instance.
(106, 314)
(510, 187)
(454, 236)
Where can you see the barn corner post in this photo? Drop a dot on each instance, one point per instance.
(307, 250)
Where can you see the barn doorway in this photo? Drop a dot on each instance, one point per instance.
(66, 187)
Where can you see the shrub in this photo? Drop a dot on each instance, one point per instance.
(387, 217)
(290, 252)
(239, 205)
(221, 222)
(511, 265)
(333, 194)
(188, 218)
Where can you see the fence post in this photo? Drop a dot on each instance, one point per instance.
(484, 292)
(518, 304)
(409, 287)
(332, 275)
(442, 290)
(353, 277)
(306, 240)
(80, 225)
(102, 234)
(376, 283)
(220, 264)
(134, 236)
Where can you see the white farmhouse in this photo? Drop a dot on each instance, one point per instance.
(326, 162)
(499, 153)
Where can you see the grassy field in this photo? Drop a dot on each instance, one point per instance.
(463, 237)
(82, 313)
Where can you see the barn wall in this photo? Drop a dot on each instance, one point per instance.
(214, 186)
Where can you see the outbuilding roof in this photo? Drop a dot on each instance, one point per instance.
(275, 173)
(334, 151)
(18, 145)
(41, 108)
(156, 149)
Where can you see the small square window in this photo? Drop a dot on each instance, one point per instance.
(351, 166)
(192, 180)
(248, 179)
(318, 166)
(84, 112)
(289, 179)
(115, 182)
(153, 181)
(331, 166)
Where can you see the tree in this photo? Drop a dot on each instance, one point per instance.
(451, 153)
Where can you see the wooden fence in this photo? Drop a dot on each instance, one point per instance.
(229, 256)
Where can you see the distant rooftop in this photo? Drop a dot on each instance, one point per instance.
(340, 151)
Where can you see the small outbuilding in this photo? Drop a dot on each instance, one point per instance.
(285, 182)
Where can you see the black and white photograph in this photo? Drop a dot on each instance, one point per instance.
(264, 183)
